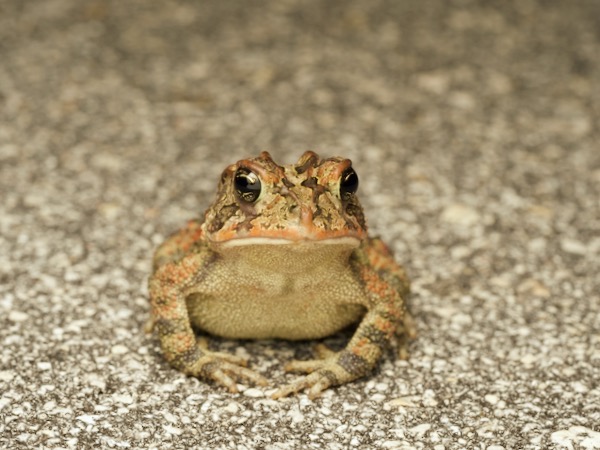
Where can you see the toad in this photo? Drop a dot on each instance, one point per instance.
(282, 253)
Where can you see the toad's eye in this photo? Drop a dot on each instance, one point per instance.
(247, 185)
(348, 183)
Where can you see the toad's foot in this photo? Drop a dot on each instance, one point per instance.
(331, 369)
(222, 368)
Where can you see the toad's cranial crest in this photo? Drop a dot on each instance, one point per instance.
(283, 252)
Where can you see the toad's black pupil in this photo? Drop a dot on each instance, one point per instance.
(348, 183)
(247, 185)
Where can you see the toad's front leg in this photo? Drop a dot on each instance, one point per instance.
(357, 360)
(385, 285)
(168, 288)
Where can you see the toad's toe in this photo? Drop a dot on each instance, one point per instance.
(225, 370)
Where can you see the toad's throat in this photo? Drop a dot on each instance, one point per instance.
(272, 259)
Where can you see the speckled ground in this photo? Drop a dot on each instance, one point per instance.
(474, 128)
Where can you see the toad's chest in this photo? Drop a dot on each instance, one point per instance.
(304, 296)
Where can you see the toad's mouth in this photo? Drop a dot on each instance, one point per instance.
(289, 235)
(346, 241)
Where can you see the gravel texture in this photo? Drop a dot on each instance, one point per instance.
(474, 126)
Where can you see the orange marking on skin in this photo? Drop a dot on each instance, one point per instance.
(366, 350)
(376, 285)
(306, 217)
(385, 325)
(175, 275)
(185, 238)
(360, 347)
(169, 311)
(180, 342)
